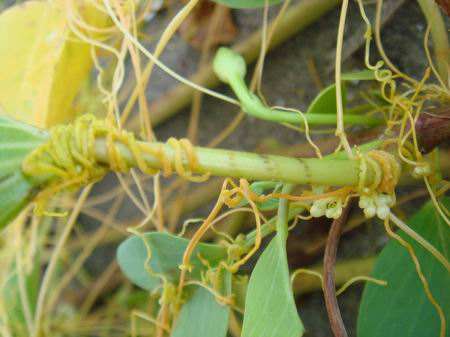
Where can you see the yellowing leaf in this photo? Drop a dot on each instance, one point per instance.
(42, 63)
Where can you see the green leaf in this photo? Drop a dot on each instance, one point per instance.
(202, 315)
(12, 300)
(16, 141)
(246, 3)
(166, 256)
(42, 62)
(362, 75)
(325, 101)
(402, 308)
(15, 193)
(270, 309)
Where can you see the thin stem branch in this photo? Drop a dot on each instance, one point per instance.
(340, 131)
(283, 213)
(252, 105)
(439, 35)
(329, 286)
(345, 270)
(420, 240)
(45, 285)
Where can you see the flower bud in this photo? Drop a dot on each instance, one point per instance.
(365, 201)
(228, 64)
(316, 210)
(370, 212)
(383, 212)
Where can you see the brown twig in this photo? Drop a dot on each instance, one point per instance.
(433, 129)
(329, 287)
(445, 6)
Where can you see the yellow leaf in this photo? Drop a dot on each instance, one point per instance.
(42, 63)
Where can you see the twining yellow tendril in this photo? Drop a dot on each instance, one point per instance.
(385, 168)
(185, 146)
(390, 168)
(420, 274)
(68, 159)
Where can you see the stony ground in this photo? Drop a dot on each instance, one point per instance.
(288, 82)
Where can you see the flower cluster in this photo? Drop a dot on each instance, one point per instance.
(329, 207)
(376, 204)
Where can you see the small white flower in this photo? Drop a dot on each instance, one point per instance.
(334, 212)
(316, 211)
(384, 200)
(383, 212)
(366, 201)
(318, 208)
(376, 204)
(330, 207)
(421, 170)
(370, 212)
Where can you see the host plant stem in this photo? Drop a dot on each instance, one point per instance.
(251, 166)
(253, 106)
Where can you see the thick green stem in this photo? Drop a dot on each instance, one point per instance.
(251, 166)
(283, 213)
(439, 36)
(230, 67)
(252, 105)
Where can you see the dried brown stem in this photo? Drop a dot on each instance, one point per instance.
(329, 287)
(433, 129)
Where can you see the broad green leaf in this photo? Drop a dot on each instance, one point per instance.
(42, 62)
(202, 315)
(16, 141)
(12, 301)
(362, 75)
(246, 3)
(270, 309)
(15, 193)
(402, 308)
(166, 256)
(325, 101)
